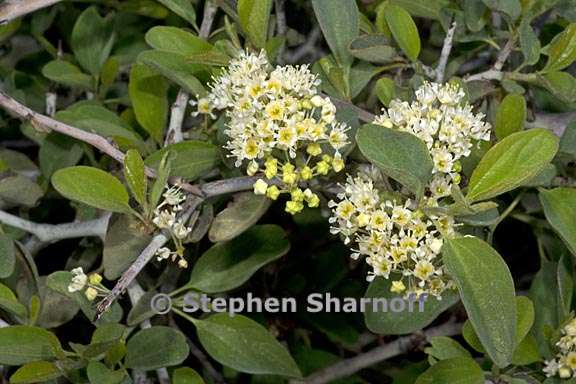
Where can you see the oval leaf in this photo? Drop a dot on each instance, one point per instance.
(373, 48)
(228, 265)
(403, 322)
(35, 372)
(338, 20)
(21, 344)
(489, 302)
(148, 93)
(156, 347)
(92, 39)
(254, 16)
(244, 345)
(510, 116)
(458, 370)
(191, 159)
(135, 175)
(404, 30)
(93, 187)
(400, 155)
(241, 214)
(176, 40)
(511, 162)
(560, 210)
(562, 50)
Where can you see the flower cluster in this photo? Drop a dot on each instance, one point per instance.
(396, 238)
(564, 365)
(91, 285)
(165, 218)
(445, 123)
(278, 125)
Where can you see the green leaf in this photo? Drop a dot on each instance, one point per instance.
(242, 344)
(385, 90)
(529, 43)
(560, 84)
(469, 261)
(7, 256)
(185, 375)
(338, 20)
(20, 190)
(35, 372)
(162, 174)
(176, 68)
(511, 162)
(125, 240)
(176, 40)
(560, 210)
(182, 8)
(400, 155)
(148, 93)
(443, 347)
(58, 151)
(458, 370)
(92, 39)
(135, 176)
(191, 158)
(92, 186)
(404, 30)
(511, 8)
(373, 48)
(241, 214)
(526, 352)
(156, 347)
(142, 310)
(525, 317)
(403, 322)
(10, 303)
(21, 344)
(562, 50)
(98, 373)
(67, 73)
(510, 116)
(254, 16)
(228, 265)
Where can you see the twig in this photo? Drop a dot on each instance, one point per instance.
(42, 122)
(490, 74)
(174, 134)
(397, 347)
(306, 48)
(281, 27)
(144, 258)
(51, 99)
(363, 115)
(207, 19)
(53, 232)
(555, 122)
(503, 55)
(12, 9)
(445, 53)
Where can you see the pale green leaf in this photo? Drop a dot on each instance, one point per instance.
(156, 347)
(562, 50)
(191, 159)
(254, 16)
(135, 176)
(21, 344)
(560, 210)
(458, 370)
(92, 186)
(511, 116)
(67, 73)
(241, 214)
(35, 372)
(404, 30)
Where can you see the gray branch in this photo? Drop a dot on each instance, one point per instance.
(13, 9)
(445, 53)
(49, 233)
(397, 347)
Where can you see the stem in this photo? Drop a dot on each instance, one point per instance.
(12, 9)
(504, 214)
(445, 53)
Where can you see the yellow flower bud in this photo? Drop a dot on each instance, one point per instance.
(363, 219)
(457, 167)
(337, 164)
(314, 149)
(294, 207)
(564, 372)
(456, 178)
(91, 293)
(182, 263)
(273, 192)
(252, 168)
(326, 158)
(397, 287)
(306, 173)
(297, 195)
(311, 198)
(260, 187)
(323, 168)
(289, 178)
(306, 104)
(95, 279)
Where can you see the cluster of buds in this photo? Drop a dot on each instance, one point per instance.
(564, 364)
(91, 285)
(279, 126)
(165, 218)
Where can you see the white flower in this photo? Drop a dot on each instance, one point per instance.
(163, 253)
(173, 196)
(79, 280)
(180, 230)
(260, 187)
(164, 218)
